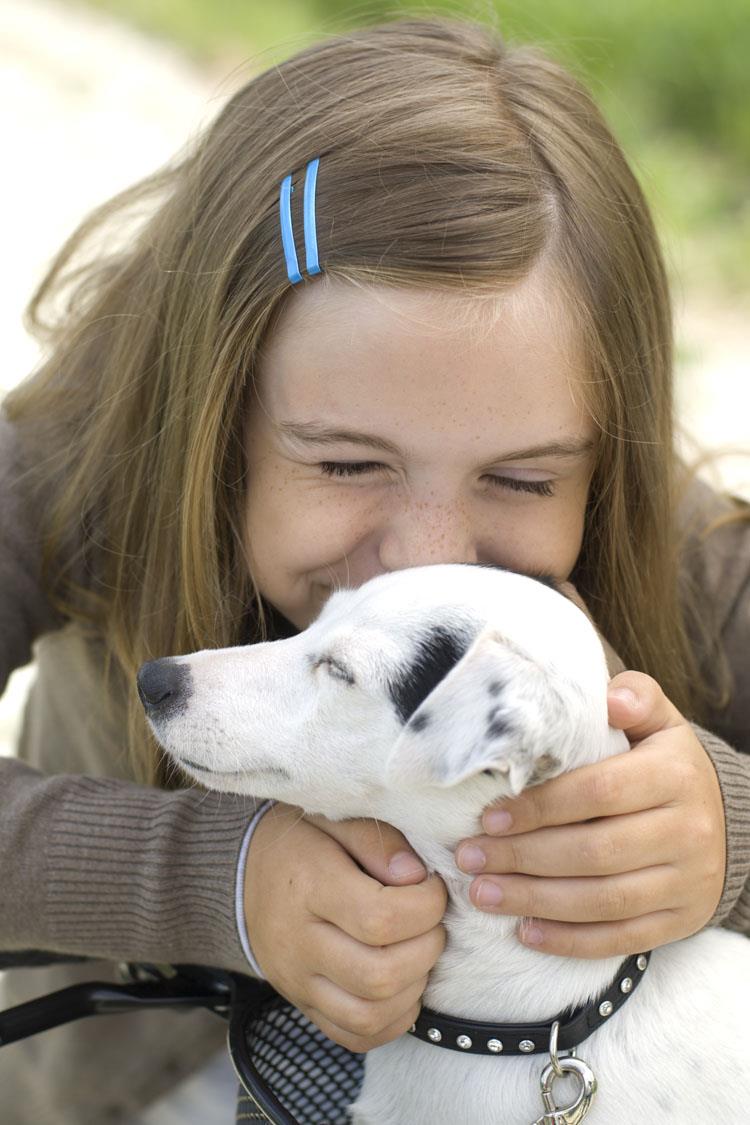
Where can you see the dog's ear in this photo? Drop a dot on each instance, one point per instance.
(495, 710)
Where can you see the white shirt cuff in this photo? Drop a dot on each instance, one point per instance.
(239, 895)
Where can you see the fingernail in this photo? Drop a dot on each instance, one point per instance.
(471, 858)
(497, 820)
(404, 864)
(489, 894)
(530, 934)
(625, 695)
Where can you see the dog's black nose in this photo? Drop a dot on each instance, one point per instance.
(163, 684)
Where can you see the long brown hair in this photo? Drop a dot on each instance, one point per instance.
(449, 160)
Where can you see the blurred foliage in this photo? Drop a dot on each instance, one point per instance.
(681, 64)
(672, 76)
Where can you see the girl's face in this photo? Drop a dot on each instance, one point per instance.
(397, 428)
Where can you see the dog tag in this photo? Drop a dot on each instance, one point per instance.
(575, 1112)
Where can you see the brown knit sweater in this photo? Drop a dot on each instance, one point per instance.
(94, 864)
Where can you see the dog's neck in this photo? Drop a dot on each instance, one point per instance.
(485, 973)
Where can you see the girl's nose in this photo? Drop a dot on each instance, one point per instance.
(424, 534)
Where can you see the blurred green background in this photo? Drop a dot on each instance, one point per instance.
(673, 77)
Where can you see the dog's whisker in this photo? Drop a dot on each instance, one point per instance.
(377, 825)
(167, 762)
(295, 817)
(335, 584)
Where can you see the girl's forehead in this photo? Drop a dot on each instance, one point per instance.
(340, 347)
(338, 310)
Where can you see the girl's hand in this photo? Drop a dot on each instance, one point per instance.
(351, 953)
(617, 857)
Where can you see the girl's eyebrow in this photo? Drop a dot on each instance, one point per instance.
(315, 433)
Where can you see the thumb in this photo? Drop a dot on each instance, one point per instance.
(639, 707)
(379, 848)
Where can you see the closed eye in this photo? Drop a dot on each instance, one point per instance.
(521, 484)
(348, 468)
(335, 669)
(360, 468)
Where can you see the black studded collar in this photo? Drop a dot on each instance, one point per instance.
(575, 1025)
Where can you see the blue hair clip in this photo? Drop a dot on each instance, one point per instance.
(312, 265)
(287, 235)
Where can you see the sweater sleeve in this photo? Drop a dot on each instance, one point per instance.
(109, 869)
(731, 753)
(732, 767)
(720, 562)
(96, 866)
(733, 771)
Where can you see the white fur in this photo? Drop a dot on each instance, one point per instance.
(677, 1052)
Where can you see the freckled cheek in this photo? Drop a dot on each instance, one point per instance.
(299, 529)
(547, 540)
(569, 536)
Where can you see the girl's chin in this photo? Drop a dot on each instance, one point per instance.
(302, 615)
(318, 593)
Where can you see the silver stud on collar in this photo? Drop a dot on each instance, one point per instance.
(464, 1042)
(526, 1046)
(433, 1035)
(642, 962)
(495, 1046)
(606, 1008)
(626, 985)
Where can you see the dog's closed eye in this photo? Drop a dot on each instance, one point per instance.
(335, 669)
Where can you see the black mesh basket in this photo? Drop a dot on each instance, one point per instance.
(289, 1071)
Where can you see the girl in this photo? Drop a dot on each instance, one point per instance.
(454, 346)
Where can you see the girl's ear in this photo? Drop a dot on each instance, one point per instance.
(495, 710)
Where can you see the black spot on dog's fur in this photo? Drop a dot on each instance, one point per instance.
(419, 722)
(497, 724)
(494, 687)
(497, 728)
(438, 651)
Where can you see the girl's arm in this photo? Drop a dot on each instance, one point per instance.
(94, 866)
(108, 869)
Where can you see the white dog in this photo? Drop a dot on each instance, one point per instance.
(420, 698)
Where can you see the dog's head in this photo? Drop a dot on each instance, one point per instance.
(471, 679)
